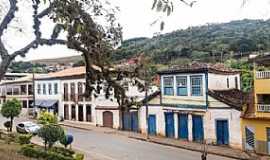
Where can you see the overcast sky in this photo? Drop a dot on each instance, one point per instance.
(136, 16)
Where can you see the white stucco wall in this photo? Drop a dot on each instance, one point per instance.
(160, 119)
(48, 96)
(116, 118)
(219, 81)
(234, 125)
(220, 111)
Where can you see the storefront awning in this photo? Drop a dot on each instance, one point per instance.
(45, 103)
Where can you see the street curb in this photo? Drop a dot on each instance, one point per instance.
(82, 128)
(182, 147)
(161, 143)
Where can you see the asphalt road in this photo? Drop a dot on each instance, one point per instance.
(104, 146)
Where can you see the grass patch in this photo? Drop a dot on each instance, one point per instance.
(10, 152)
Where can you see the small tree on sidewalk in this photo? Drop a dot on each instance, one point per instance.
(51, 133)
(11, 109)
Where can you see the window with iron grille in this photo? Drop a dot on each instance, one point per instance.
(249, 137)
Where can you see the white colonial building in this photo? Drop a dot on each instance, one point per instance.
(62, 92)
(197, 102)
(20, 88)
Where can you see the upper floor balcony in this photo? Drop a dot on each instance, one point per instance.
(262, 105)
(263, 108)
(263, 75)
(262, 82)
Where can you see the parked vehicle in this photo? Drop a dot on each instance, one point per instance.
(27, 127)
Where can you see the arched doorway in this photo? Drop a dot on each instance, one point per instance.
(108, 119)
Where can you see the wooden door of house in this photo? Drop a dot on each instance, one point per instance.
(152, 124)
(80, 112)
(66, 112)
(197, 128)
(169, 124)
(108, 119)
(222, 132)
(183, 126)
(88, 113)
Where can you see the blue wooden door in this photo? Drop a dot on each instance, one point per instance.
(197, 128)
(169, 124)
(183, 126)
(152, 125)
(126, 121)
(134, 121)
(222, 132)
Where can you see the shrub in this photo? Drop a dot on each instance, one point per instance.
(24, 139)
(47, 118)
(79, 156)
(39, 153)
(50, 134)
(63, 151)
(7, 125)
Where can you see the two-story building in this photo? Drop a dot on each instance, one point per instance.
(256, 115)
(197, 102)
(63, 92)
(20, 89)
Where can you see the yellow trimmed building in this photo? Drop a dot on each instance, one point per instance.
(256, 114)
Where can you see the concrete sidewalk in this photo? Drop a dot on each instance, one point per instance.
(217, 150)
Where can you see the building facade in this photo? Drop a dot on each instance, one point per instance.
(63, 93)
(256, 115)
(198, 103)
(20, 89)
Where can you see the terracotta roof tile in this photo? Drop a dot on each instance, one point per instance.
(199, 67)
(232, 97)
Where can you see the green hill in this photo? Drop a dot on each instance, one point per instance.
(208, 43)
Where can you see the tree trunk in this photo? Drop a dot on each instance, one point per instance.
(45, 145)
(11, 123)
(4, 66)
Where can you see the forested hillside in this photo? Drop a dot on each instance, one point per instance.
(209, 43)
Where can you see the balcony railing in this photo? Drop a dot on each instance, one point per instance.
(263, 75)
(263, 107)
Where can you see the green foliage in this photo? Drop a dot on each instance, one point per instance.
(26, 67)
(24, 139)
(50, 134)
(39, 153)
(209, 43)
(64, 141)
(79, 156)
(246, 73)
(63, 151)
(10, 109)
(47, 118)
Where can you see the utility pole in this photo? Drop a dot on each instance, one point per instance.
(146, 102)
(34, 91)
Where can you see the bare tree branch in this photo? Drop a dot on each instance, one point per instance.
(34, 44)
(9, 16)
(45, 12)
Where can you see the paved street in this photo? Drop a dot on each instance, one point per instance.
(106, 146)
(114, 147)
